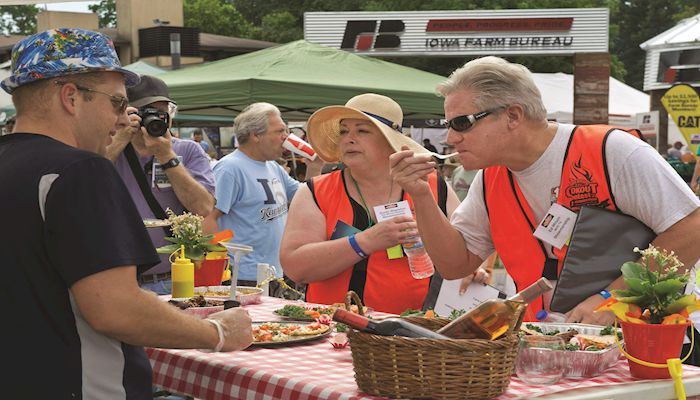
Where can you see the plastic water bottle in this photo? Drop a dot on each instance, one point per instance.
(418, 259)
(544, 316)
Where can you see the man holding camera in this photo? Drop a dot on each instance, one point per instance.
(159, 170)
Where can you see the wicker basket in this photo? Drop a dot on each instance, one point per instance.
(402, 367)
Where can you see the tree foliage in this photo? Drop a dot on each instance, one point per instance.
(216, 16)
(281, 21)
(18, 20)
(106, 11)
(640, 21)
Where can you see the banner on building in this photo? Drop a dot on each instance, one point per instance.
(683, 105)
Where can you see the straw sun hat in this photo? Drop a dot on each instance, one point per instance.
(324, 125)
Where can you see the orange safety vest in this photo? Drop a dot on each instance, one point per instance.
(389, 286)
(584, 181)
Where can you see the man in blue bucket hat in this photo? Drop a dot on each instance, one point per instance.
(78, 316)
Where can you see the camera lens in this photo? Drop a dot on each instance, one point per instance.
(155, 126)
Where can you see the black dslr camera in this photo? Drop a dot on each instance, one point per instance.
(155, 121)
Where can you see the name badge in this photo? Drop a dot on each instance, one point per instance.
(389, 211)
(556, 226)
(158, 177)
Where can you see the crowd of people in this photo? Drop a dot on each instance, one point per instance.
(82, 272)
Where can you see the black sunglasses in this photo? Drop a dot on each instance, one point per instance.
(118, 102)
(464, 123)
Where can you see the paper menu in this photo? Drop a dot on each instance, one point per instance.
(449, 298)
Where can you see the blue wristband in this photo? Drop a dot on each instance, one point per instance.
(606, 295)
(355, 246)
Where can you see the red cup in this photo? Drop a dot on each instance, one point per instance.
(297, 146)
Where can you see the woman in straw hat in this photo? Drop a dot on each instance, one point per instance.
(332, 240)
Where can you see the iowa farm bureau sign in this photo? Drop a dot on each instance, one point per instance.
(481, 32)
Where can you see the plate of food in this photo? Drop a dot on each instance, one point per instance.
(308, 313)
(198, 305)
(590, 349)
(266, 334)
(244, 294)
(156, 223)
(300, 313)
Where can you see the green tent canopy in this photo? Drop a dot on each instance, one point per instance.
(299, 78)
(144, 68)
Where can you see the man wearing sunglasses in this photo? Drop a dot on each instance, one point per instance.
(160, 172)
(497, 122)
(73, 243)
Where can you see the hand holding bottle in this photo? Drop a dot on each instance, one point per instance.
(387, 234)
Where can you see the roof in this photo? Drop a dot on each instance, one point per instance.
(142, 67)
(299, 78)
(209, 40)
(685, 32)
(557, 91)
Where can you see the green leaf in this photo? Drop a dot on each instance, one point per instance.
(637, 284)
(215, 247)
(171, 239)
(668, 286)
(652, 276)
(678, 305)
(633, 270)
(623, 293)
(633, 299)
(168, 249)
(194, 254)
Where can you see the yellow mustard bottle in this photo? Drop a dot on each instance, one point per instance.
(182, 271)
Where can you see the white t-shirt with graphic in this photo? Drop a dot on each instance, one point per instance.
(645, 186)
(254, 197)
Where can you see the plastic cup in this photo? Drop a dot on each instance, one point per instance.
(297, 146)
(540, 360)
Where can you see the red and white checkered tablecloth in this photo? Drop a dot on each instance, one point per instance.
(313, 370)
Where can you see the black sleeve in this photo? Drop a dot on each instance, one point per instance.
(91, 223)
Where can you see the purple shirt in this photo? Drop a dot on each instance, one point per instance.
(196, 162)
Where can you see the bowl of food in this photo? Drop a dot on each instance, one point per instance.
(244, 294)
(590, 349)
(198, 305)
(248, 295)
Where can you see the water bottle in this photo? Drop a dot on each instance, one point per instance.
(418, 259)
(544, 316)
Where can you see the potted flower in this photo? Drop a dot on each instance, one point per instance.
(653, 311)
(210, 258)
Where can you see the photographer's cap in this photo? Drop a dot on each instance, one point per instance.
(60, 52)
(149, 90)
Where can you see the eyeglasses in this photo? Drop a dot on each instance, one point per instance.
(118, 102)
(464, 123)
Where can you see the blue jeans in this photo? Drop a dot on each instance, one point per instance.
(164, 286)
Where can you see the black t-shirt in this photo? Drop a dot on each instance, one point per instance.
(65, 214)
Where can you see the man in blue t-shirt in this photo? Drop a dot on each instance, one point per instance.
(253, 191)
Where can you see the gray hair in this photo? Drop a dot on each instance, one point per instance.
(496, 82)
(253, 120)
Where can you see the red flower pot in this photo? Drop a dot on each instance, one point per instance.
(210, 272)
(652, 343)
